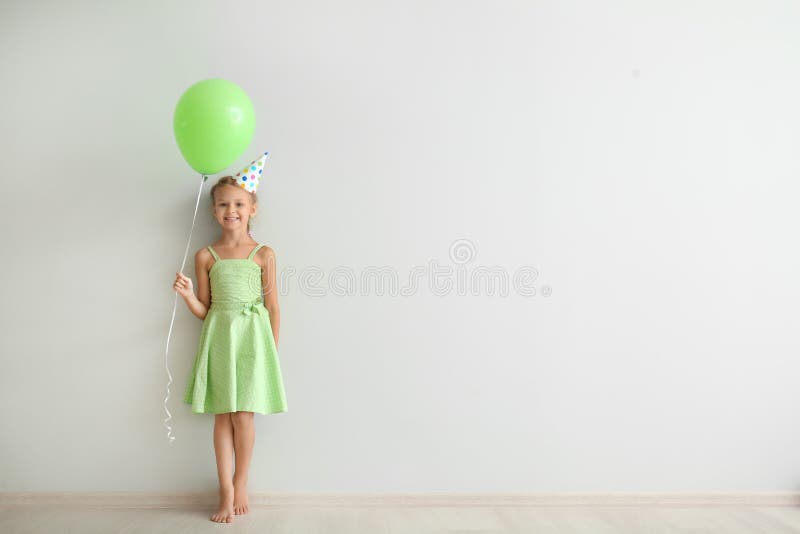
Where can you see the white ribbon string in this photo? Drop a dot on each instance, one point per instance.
(174, 307)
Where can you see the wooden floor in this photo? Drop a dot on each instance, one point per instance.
(26, 518)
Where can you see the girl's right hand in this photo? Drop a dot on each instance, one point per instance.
(183, 285)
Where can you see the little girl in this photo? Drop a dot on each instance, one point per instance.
(236, 370)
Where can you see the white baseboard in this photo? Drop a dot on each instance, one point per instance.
(443, 499)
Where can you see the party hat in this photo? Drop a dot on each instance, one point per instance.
(249, 177)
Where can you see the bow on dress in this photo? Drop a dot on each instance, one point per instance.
(252, 307)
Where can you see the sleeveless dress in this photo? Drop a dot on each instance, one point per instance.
(236, 367)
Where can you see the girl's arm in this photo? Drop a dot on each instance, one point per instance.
(268, 282)
(199, 305)
(201, 266)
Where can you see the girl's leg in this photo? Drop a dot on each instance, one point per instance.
(244, 436)
(223, 448)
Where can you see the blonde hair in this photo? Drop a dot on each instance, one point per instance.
(230, 180)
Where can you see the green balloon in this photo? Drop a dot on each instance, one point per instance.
(213, 124)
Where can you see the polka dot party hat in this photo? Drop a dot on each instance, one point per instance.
(249, 177)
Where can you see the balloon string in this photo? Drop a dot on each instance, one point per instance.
(174, 307)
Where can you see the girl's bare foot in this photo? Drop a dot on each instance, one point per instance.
(225, 512)
(240, 504)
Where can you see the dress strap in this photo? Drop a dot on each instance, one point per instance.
(216, 257)
(250, 257)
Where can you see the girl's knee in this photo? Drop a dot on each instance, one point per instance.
(223, 418)
(241, 417)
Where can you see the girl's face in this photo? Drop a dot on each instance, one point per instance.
(233, 207)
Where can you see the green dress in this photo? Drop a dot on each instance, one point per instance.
(236, 367)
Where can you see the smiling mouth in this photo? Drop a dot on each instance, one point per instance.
(231, 219)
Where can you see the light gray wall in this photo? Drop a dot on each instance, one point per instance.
(641, 156)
